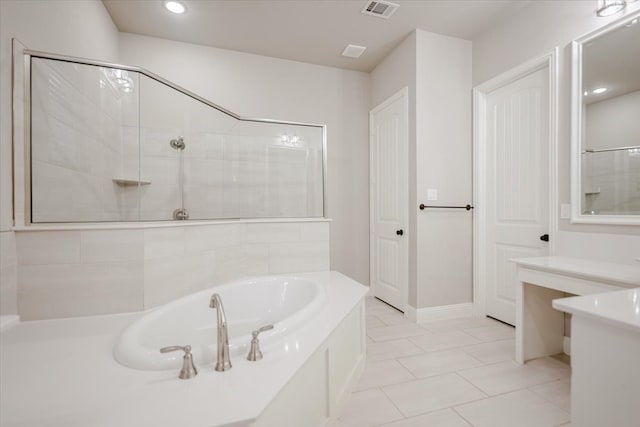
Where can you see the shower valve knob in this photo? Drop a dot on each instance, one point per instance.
(399, 232)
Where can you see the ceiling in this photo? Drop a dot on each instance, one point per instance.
(314, 31)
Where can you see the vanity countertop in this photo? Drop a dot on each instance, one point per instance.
(627, 276)
(620, 308)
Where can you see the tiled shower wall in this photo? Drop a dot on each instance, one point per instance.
(76, 121)
(87, 272)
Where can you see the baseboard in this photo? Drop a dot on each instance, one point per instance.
(442, 312)
(566, 346)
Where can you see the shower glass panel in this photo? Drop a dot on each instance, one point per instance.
(111, 144)
(84, 143)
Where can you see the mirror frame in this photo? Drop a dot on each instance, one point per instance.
(576, 129)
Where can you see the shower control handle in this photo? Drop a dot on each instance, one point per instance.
(399, 232)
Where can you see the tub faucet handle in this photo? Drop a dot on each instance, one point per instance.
(255, 353)
(188, 368)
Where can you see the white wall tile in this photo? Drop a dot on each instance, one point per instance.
(9, 289)
(166, 279)
(257, 256)
(111, 245)
(271, 232)
(68, 290)
(7, 249)
(298, 257)
(314, 231)
(164, 242)
(209, 237)
(48, 247)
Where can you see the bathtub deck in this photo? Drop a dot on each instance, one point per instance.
(62, 373)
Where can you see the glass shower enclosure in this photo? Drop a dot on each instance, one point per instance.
(116, 143)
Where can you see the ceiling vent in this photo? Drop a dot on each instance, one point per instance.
(353, 51)
(379, 8)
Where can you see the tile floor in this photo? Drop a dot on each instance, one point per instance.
(452, 373)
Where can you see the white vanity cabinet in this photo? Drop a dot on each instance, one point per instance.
(605, 358)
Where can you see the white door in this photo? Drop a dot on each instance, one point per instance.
(517, 192)
(388, 148)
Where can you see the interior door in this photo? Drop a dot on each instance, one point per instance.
(517, 185)
(388, 147)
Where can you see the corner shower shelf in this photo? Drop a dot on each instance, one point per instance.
(124, 182)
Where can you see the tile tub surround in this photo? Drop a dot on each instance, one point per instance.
(457, 372)
(99, 392)
(8, 279)
(70, 272)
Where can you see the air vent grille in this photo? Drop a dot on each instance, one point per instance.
(379, 8)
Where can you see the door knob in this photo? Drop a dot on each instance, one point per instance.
(399, 232)
(544, 237)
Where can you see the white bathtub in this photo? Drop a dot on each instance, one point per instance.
(285, 302)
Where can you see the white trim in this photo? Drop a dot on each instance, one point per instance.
(442, 312)
(576, 130)
(566, 346)
(480, 92)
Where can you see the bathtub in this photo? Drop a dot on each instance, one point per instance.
(285, 302)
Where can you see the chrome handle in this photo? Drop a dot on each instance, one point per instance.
(188, 368)
(186, 349)
(264, 328)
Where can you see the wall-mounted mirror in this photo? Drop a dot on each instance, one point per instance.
(606, 124)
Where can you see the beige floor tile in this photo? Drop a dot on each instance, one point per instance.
(557, 392)
(551, 366)
(394, 349)
(367, 408)
(386, 372)
(521, 408)
(373, 321)
(458, 324)
(496, 332)
(443, 418)
(443, 340)
(430, 394)
(504, 377)
(393, 317)
(395, 332)
(439, 362)
(493, 351)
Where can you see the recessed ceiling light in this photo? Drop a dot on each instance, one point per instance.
(586, 93)
(599, 90)
(174, 6)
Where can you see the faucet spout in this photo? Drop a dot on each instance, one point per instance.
(223, 363)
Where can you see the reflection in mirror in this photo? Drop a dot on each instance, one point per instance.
(609, 131)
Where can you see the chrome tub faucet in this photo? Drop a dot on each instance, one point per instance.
(223, 363)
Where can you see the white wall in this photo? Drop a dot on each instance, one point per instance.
(443, 162)
(532, 31)
(68, 27)
(437, 71)
(258, 86)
